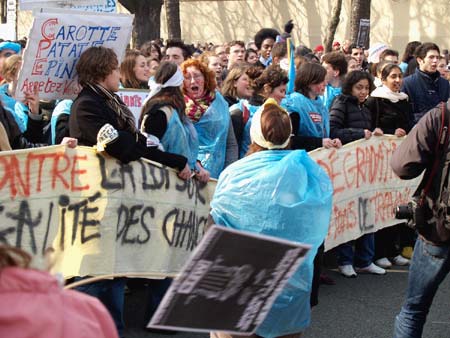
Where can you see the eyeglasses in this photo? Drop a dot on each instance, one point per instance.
(196, 77)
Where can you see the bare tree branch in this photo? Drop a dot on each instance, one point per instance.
(332, 25)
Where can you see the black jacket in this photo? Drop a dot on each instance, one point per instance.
(90, 112)
(18, 140)
(348, 119)
(388, 115)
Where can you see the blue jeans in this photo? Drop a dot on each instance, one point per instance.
(363, 255)
(429, 266)
(111, 293)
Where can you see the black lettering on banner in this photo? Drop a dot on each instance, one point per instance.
(183, 223)
(153, 177)
(127, 170)
(106, 183)
(24, 219)
(79, 210)
(49, 220)
(193, 189)
(130, 216)
(124, 170)
(5, 232)
(362, 214)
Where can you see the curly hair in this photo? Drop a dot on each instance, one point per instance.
(265, 33)
(95, 64)
(354, 77)
(210, 76)
(273, 76)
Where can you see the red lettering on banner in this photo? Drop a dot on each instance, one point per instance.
(384, 203)
(75, 173)
(332, 171)
(344, 218)
(62, 170)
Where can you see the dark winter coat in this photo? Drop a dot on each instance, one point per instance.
(388, 115)
(90, 112)
(348, 119)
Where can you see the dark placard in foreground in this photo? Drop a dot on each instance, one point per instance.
(229, 283)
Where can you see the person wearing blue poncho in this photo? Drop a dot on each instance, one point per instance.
(256, 194)
(163, 121)
(270, 84)
(311, 130)
(208, 111)
(310, 118)
(336, 67)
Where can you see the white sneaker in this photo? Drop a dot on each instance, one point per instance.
(383, 263)
(347, 270)
(372, 268)
(400, 260)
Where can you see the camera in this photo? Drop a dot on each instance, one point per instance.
(417, 214)
(405, 211)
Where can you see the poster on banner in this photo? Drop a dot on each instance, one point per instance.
(229, 283)
(32, 4)
(56, 41)
(134, 99)
(366, 190)
(98, 215)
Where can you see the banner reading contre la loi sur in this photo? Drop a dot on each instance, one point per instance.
(57, 40)
(98, 215)
(366, 190)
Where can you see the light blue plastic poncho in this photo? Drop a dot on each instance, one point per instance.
(181, 138)
(212, 130)
(246, 141)
(63, 107)
(285, 194)
(329, 95)
(307, 109)
(18, 110)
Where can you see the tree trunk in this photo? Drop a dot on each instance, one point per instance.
(360, 10)
(147, 19)
(332, 25)
(173, 18)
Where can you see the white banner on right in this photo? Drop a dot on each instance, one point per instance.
(366, 190)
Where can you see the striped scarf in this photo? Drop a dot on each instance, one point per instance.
(195, 108)
(125, 117)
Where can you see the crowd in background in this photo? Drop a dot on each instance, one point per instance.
(212, 107)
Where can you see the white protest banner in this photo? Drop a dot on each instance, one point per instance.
(56, 41)
(134, 98)
(100, 216)
(366, 190)
(229, 283)
(31, 4)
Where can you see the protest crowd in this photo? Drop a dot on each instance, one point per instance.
(245, 114)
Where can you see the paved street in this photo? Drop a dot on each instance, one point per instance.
(353, 308)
